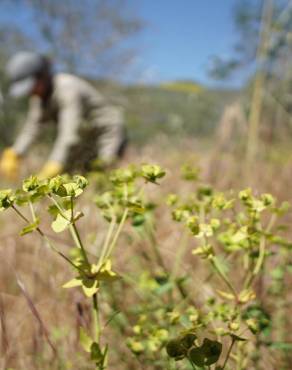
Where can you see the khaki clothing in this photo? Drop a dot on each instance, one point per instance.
(74, 105)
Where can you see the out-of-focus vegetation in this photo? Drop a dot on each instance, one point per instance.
(197, 280)
(174, 111)
(203, 269)
(264, 46)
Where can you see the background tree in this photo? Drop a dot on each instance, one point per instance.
(89, 36)
(264, 48)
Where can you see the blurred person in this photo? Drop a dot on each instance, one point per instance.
(88, 126)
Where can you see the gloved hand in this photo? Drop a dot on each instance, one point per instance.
(10, 164)
(50, 169)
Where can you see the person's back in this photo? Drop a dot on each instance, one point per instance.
(67, 86)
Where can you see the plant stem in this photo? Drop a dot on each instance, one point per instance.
(75, 234)
(213, 260)
(180, 254)
(78, 241)
(32, 212)
(155, 249)
(257, 98)
(262, 249)
(95, 322)
(115, 238)
(260, 260)
(222, 275)
(20, 214)
(72, 227)
(106, 243)
(228, 353)
(61, 210)
(47, 240)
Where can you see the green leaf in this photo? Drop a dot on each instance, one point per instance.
(85, 340)
(77, 216)
(207, 354)
(226, 295)
(81, 181)
(90, 286)
(152, 173)
(205, 251)
(212, 350)
(253, 325)
(175, 349)
(165, 288)
(122, 176)
(190, 172)
(73, 283)
(138, 220)
(53, 210)
(30, 184)
(7, 199)
(105, 273)
(246, 295)
(197, 356)
(72, 189)
(278, 273)
(221, 265)
(188, 340)
(96, 353)
(30, 228)
(56, 186)
(204, 192)
(284, 346)
(21, 198)
(61, 223)
(193, 225)
(135, 346)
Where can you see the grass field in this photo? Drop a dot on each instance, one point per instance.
(40, 321)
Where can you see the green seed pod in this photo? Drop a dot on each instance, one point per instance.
(138, 220)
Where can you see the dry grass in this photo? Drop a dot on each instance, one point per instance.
(24, 345)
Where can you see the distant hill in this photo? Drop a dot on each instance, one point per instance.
(175, 108)
(183, 86)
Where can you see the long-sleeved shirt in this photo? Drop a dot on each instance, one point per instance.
(73, 100)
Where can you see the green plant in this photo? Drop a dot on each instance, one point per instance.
(203, 307)
(122, 201)
(234, 235)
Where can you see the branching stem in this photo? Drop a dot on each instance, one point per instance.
(228, 353)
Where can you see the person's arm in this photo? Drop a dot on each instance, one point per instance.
(10, 159)
(31, 128)
(69, 122)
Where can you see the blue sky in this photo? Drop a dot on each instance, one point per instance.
(179, 39)
(182, 36)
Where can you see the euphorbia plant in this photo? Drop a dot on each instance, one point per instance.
(234, 235)
(220, 323)
(122, 201)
